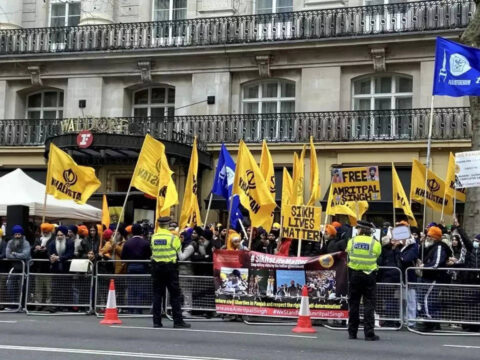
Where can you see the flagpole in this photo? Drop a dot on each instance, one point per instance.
(123, 207)
(251, 236)
(393, 200)
(229, 212)
(243, 229)
(454, 203)
(299, 249)
(427, 165)
(208, 209)
(44, 204)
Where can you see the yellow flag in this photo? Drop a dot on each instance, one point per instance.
(314, 176)
(267, 169)
(400, 200)
(287, 183)
(359, 208)
(190, 215)
(250, 186)
(450, 181)
(435, 189)
(68, 181)
(167, 190)
(336, 207)
(298, 178)
(146, 174)
(105, 212)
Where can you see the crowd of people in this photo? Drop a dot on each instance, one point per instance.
(438, 246)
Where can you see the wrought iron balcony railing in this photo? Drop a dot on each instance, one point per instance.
(345, 22)
(338, 126)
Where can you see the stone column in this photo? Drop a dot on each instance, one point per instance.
(96, 12)
(11, 14)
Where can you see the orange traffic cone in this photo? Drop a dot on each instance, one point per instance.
(304, 324)
(111, 314)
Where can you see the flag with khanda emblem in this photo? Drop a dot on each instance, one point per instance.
(460, 194)
(400, 200)
(287, 184)
(253, 191)
(167, 190)
(298, 179)
(146, 174)
(190, 215)
(66, 180)
(267, 168)
(434, 192)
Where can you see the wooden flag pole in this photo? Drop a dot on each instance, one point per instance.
(393, 200)
(251, 236)
(44, 205)
(243, 229)
(208, 209)
(299, 248)
(123, 207)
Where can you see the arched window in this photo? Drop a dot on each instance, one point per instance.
(45, 104)
(383, 93)
(274, 100)
(157, 102)
(268, 97)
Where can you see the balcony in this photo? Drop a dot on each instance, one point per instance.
(349, 22)
(327, 127)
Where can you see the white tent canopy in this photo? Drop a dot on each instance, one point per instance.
(17, 188)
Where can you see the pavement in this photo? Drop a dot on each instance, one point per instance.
(82, 337)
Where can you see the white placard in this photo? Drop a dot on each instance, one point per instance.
(401, 233)
(79, 265)
(376, 234)
(467, 169)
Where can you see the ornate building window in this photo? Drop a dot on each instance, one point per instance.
(64, 13)
(157, 102)
(273, 6)
(46, 104)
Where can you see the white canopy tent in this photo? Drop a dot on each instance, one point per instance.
(17, 188)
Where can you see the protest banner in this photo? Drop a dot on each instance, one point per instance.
(467, 169)
(257, 284)
(356, 184)
(302, 222)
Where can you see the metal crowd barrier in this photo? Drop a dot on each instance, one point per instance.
(133, 290)
(389, 305)
(445, 296)
(12, 276)
(58, 290)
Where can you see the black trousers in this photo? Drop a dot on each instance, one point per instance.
(165, 276)
(362, 285)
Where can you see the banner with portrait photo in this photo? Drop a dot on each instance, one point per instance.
(356, 184)
(257, 284)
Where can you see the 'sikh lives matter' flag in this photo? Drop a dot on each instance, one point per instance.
(68, 181)
(434, 192)
(250, 186)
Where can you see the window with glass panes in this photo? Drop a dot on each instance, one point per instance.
(158, 102)
(267, 97)
(168, 10)
(273, 6)
(383, 92)
(64, 13)
(46, 104)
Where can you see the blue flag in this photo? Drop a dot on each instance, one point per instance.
(457, 69)
(223, 183)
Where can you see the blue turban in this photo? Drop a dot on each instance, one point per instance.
(63, 230)
(17, 229)
(73, 228)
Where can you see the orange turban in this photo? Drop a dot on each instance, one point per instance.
(336, 224)
(330, 230)
(435, 232)
(82, 230)
(231, 234)
(47, 228)
(129, 229)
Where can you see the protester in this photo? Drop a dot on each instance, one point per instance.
(136, 248)
(90, 244)
(18, 248)
(43, 284)
(333, 241)
(3, 246)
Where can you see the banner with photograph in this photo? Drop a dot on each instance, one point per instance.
(356, 184)
(257, 284)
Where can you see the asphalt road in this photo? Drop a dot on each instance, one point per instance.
(81, 337)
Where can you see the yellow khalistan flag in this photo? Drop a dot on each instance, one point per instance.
(450, 181)
(68, 181)
(105, 212)
(267, 169)
(287, 184)
(146, 175)
(314, 176)
(167, 190)
(298, 178)
(435, 189)
(190, 215)
(253, 191)
(400, 200)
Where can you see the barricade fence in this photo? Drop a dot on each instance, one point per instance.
(60, 287)
(446, 299)
(12, 277)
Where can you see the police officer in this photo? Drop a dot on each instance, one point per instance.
(165, 246)
(363, 251)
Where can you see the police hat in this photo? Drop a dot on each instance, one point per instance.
(365, 225)
(164, 220)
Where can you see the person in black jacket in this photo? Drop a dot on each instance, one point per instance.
(41, 264)
(333, 241)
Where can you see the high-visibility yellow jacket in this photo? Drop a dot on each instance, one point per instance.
(363, 252)
(165, 246)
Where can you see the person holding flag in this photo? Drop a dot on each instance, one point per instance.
(223, 185)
